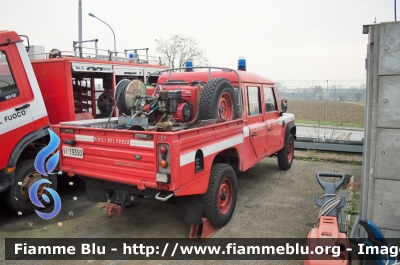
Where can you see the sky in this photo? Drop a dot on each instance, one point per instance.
(280, 39)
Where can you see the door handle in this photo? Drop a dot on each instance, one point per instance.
(270, 129)
(22, 107)
(254, 134)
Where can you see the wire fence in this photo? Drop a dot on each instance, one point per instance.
(326, 109)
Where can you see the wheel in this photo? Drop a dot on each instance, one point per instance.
(134, 200)
(17, 197)
(285, 156)
(217, 100)
(220, 199)
(105, 103)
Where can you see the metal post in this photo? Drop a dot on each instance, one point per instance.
(80, 23)
(75, 48)
(95, 46)
(326, 107)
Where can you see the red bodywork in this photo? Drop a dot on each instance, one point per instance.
(110, 156)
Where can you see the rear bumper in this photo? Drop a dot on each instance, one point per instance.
(119, 186)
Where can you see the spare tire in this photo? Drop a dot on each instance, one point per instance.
(217, 100)
(105, 103)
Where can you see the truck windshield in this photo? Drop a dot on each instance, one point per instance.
(8, 88)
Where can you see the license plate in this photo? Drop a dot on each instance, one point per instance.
(73, 152)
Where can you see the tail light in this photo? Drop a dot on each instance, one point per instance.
(163, 174)
(163, 150)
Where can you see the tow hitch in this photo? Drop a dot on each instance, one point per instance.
(117, 203)
(112, 209)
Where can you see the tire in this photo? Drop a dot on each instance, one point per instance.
(17, 196)
(285, 156)
(220, 199)
(105, 103)
(218, 94)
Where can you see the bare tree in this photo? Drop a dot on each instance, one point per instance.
(177, 50)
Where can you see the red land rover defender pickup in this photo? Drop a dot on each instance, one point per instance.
(182, 138)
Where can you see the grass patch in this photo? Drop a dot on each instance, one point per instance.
(360, 103)
(315, 156)
(311, 159)
(353, 206)
(331, 123)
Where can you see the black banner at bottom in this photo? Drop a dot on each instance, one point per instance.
(185, 249)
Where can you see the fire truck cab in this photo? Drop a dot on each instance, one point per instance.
(23, 120)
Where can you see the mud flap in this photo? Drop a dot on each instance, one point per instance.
(96, 194)
(189, 209)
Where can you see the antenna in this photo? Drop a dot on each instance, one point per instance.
(375, 21)
(395, 19)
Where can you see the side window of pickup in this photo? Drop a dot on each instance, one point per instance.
(8, 88)
(239, 101)
(253, 100)
(270, 104)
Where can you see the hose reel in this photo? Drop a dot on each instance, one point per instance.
(127, 92)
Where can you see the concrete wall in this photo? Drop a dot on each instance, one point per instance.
(381, 158)
(36, 52)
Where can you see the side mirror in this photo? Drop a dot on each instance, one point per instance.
(283, 105)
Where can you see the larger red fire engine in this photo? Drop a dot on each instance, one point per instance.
(35, 94)
(181, 139)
